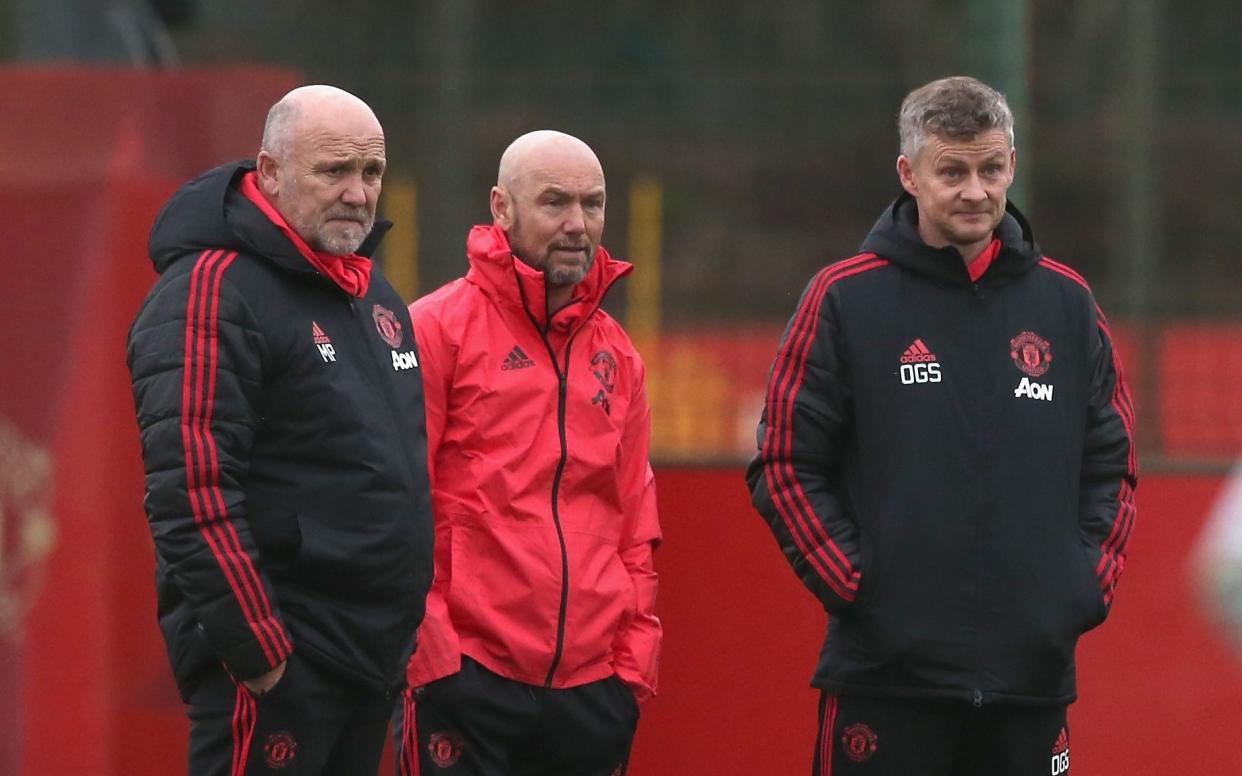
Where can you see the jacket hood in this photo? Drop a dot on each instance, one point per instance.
(209, 213)
(895, 237)
(515, 284)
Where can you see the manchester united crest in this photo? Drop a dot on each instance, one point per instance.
(604, 367)
(859, 742)
(387, 324)
(1031, 353)
(445, 748)
(280, 750)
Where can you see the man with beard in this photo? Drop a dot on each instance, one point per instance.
(946, 458)
(281, 414)
(540, 639)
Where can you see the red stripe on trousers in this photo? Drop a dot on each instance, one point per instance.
(826, 740)
(244, 716)
(410, 765)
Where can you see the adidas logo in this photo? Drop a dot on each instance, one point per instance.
(919, 365)
(517, 359)
(1062, 743)
(324, 345)
(1060, 755)
(318, 335)
(917, 353)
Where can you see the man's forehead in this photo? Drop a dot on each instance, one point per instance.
(325, 143)
(563, 178)
(986, 144)
(581, 185)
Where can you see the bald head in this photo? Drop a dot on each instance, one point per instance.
(312, 105)
(538, 152)
(549, 200)
(320, 165)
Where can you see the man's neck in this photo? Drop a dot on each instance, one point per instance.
(558, 298)
(969, 252)
(972, 251)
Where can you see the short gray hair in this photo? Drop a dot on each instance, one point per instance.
(960, 108)
(277, 130)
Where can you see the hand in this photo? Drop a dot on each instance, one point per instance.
(261, 685)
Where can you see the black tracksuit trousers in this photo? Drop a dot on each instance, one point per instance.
(903, 737)
(312, 723)
(475, 723)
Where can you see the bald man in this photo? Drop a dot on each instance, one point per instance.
(280, 405)
(540, 640)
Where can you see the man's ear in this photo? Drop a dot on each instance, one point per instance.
(905, 173)
(502, 206)
(265, 168)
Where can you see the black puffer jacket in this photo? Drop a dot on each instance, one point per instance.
(283, 435)
(948, 465)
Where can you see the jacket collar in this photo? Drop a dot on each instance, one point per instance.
(895, 237)
(515, 285)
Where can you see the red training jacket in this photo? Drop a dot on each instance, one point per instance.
(545, 507)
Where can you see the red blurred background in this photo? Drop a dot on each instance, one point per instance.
(80, 649)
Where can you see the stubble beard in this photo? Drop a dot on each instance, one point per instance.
(324, 239)
(566, 276)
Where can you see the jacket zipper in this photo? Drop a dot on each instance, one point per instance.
(981, 506)
(562, 399)
(390, 406)
(562, 377)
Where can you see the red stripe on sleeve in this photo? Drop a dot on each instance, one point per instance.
(810, 536)
(267, 618)
(836, 576)
(202, 474)
(1113, 549)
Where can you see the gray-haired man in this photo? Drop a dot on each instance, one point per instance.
(946, 460)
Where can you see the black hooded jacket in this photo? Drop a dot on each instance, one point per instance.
(283, 437)
(948, 465)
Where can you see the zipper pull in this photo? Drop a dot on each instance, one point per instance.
(978, 701)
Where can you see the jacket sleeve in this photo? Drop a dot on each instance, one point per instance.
(438, 653)
(1109, 466)
(195, 358)
(801, 434)
(636, 647)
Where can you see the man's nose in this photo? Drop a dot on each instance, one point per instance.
(973, 189)
(575, 220)
(355, 191)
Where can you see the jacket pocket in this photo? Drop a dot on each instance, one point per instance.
(1092, 596)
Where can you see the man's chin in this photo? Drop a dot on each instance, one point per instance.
(970, 236)
(341, 243)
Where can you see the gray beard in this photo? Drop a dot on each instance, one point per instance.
(339, 246)
(567, 276)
